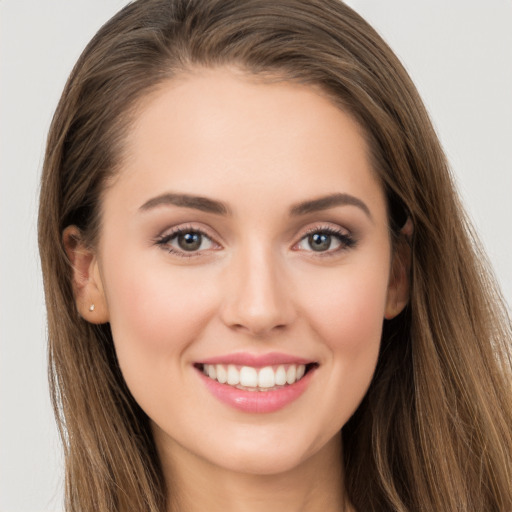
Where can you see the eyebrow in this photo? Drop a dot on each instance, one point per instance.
(187, 201)
(330, 201)
(219, 208)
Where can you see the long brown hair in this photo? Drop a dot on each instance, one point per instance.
(434, 430)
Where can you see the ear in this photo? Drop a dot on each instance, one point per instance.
(87, 283)
(398, 287)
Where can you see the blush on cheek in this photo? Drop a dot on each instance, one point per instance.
(350, 311)
(153, 311)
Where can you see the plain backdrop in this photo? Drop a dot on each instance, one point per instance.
(459, 53)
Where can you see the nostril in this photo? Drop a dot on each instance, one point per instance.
(258, 329)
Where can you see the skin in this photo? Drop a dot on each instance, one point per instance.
(256, 285)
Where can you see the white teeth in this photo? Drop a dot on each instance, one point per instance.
(233, 375)
(222, 374)
(266, 378)
(291, 374)
(281, 376)
(248, 377)
(254, 379)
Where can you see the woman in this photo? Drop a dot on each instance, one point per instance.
(262, 290)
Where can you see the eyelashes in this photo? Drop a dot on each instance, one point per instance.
(187, 241)
(320, 241)
(325, 240)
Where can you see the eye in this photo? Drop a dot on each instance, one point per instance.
(186, 240)
(325, 240)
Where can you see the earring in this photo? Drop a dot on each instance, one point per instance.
(91, 307)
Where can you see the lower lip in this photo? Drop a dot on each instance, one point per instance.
(257, 401)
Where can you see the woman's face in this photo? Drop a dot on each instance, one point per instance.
(245, 237)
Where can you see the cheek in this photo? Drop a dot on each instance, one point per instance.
(155, 311)
(348, 310)
(348, 317)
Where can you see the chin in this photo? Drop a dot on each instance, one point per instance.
(260, 463)
(275, 456)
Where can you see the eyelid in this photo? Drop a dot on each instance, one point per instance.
(346, 238)
(166, 236)
(187, 226)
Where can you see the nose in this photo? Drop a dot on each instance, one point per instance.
(258, 297)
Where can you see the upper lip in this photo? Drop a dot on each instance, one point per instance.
(256, 360)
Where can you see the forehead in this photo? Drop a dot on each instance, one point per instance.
(219, 129)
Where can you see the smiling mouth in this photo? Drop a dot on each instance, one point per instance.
(249, 378)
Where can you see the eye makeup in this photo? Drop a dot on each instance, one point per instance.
(321, 241)
(326, 240)
(186, 241)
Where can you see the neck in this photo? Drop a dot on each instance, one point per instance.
(315, 485)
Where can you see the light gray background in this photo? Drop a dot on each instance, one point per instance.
(459, 53)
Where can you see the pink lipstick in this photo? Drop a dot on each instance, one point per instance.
(256, 383)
